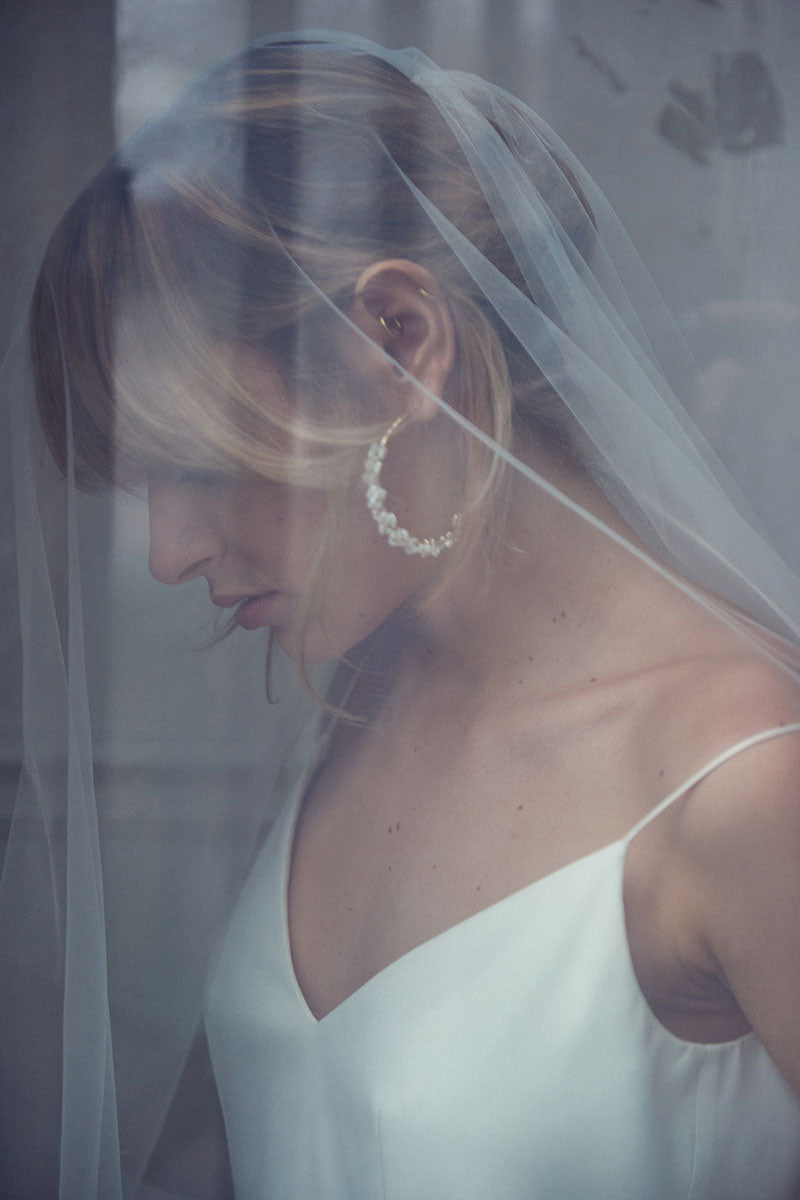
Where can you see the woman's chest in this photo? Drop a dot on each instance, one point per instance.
(398, 843)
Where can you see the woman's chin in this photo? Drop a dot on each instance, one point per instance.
(316, 652)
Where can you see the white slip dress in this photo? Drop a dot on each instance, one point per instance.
(511, 1057)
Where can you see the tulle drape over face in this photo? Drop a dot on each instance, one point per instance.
(239, 225)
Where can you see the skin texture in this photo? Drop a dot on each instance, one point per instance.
(528, 721)
(249, 536)
(253, 537)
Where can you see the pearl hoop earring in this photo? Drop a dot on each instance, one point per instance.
(386, 521)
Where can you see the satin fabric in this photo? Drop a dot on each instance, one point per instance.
(511, 1056)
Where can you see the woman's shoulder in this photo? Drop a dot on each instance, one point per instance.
(730, 721)
(750, 737)
(724, 689)
(737, 839)
(716, 878)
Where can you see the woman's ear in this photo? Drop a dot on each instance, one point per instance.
(399, 305)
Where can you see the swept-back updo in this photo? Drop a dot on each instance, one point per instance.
(243, 217)
(245, 214)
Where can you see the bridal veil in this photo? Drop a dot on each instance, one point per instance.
(153, 759)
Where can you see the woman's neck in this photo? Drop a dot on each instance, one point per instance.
(551, 601)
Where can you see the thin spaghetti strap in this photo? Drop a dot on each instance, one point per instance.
(731, 752)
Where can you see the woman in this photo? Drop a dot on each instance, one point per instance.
(525, 924)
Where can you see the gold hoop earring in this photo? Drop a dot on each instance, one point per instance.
(386, 521)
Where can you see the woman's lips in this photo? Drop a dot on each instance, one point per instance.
(258, 612)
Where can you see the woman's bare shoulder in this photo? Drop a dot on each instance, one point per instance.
(721, 868)
(727, 688)
(740, 842)
(732, 701)
(732, 698)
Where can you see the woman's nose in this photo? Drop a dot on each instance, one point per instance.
(183, 542)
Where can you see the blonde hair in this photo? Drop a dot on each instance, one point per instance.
(244, 216)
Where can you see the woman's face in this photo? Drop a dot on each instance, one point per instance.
(255, 541)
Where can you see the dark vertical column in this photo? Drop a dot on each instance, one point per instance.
(56, 120)
(56, 123)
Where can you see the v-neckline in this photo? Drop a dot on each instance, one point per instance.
(620, 845)
(286, 849)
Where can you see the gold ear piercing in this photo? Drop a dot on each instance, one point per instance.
(392, 326)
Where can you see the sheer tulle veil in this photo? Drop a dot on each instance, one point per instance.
(153, 761)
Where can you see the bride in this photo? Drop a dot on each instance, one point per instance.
(525, 922)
